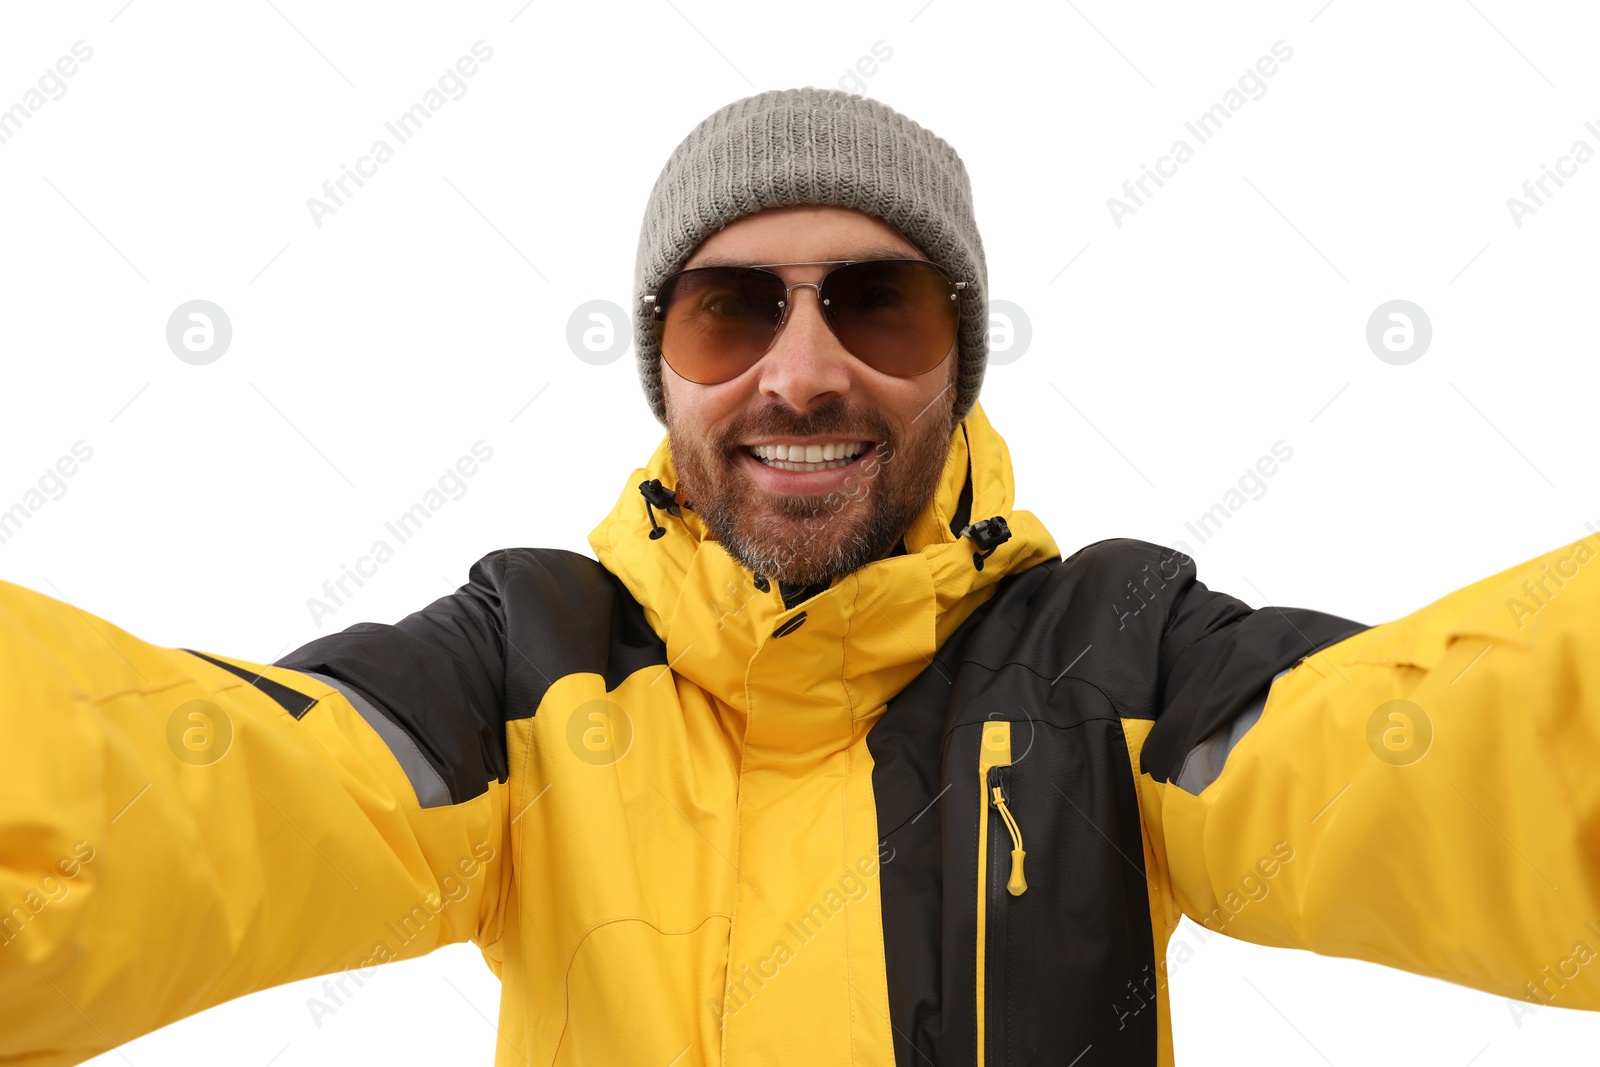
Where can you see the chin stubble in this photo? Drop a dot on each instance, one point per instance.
(812, 539)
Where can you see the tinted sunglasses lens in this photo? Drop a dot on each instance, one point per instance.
(897, 316)
(718, 321)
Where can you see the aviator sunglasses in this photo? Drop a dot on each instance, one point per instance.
(898, 316)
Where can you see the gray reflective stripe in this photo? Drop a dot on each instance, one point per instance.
(1204, 762)
(426, 782)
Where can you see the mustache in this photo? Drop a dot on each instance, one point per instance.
(834, 418)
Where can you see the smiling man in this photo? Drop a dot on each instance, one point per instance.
(827, 756)
(808, 461)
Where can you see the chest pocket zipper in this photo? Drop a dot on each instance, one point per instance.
(994, 760)
(1016, 885)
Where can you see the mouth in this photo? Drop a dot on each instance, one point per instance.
(807, 456)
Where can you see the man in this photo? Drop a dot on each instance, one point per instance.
(829, 756)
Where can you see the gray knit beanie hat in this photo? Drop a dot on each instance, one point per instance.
(814, 146)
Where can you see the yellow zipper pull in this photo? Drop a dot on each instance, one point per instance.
(1016, 885)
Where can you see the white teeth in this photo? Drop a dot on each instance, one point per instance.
(808, 457)
(784, 465)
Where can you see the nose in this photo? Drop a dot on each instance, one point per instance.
(806, 365)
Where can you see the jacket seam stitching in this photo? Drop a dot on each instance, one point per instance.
(519, 844)
(844, 838)
(566, 983)
(844, 800)
(738, 841)
(1162, 889)
(1122, 710)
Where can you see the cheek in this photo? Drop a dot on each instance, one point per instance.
(910, 403)
(699, 409)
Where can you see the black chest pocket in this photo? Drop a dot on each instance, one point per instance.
(1027, 896)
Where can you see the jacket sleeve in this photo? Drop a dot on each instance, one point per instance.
(179, 828)
(1423, 794)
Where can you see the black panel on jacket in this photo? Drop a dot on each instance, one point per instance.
(452, 674)
(1217, 656)
(1062, 952)
(1065, 651)
(290, 700)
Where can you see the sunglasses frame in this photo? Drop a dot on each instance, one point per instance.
(656, 311)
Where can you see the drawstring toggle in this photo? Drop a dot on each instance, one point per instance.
(987, 535)
(660, 496)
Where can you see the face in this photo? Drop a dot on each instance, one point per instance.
(873, 445)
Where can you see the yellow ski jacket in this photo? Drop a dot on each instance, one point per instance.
(947, 810)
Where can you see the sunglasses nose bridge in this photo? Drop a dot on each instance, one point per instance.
(787, 300)
(785, 303)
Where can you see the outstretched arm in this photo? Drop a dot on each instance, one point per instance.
(1423, 794)
(179, 828)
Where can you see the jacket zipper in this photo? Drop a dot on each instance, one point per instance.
(994, 759)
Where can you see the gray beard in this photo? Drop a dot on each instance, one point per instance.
(813, 539)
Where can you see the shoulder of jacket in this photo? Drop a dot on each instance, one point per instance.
(506, 562)
(1114, 598)
(543, 579)
(1115, 550)
(563, 613)
(1117, 570)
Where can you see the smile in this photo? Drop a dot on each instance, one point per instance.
(808, 457)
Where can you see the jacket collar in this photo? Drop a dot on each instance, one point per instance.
(884, 622)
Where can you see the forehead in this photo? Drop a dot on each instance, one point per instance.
(802, 234)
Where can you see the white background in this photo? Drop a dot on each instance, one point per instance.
(430, 311)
